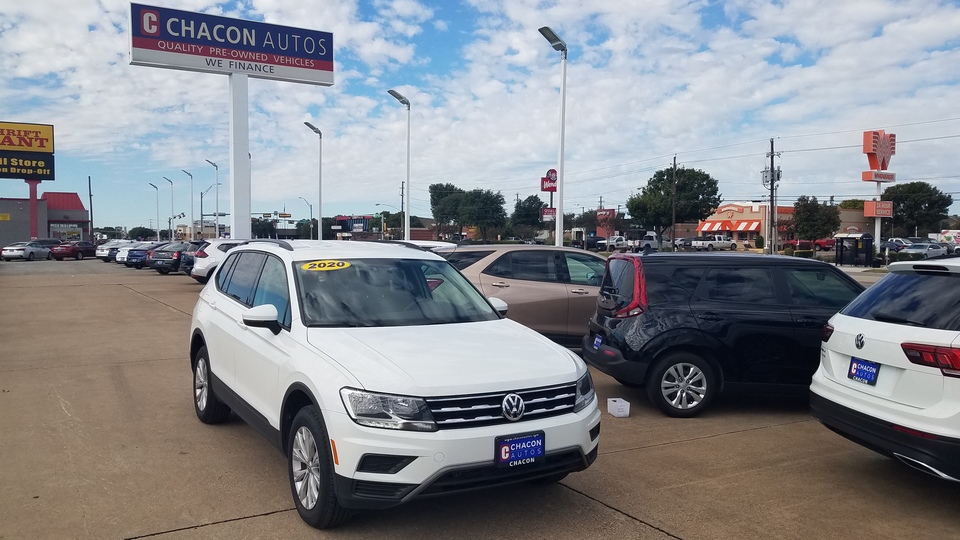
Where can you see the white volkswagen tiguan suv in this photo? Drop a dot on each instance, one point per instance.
(383, 375)
(889, 376)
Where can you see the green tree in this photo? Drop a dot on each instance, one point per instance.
(918, 206)
(812, 220)
(142, 232)
(528, 212)
(263, 228)
(446, 213)
(484, 210)
(697, 197)
(852, 204)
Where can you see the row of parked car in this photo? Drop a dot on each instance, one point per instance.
(882, 365)
(48, 248)
(196, 258)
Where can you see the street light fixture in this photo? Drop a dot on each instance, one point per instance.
(192, 232)
(406, 192)
(319, 181)
(311, 216)
(158, 208)
(170, 230)
(382, 228)
(217, 183)
(560, 45)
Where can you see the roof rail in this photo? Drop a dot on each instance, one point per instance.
(282, 243)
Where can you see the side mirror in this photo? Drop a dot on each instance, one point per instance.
(263, 316)
(498, 305)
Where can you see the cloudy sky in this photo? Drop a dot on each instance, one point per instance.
(708, 81)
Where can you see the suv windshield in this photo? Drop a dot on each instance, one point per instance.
(386, 292)
(924, 299)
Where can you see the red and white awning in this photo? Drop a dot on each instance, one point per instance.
(715, 226)
(748, 225)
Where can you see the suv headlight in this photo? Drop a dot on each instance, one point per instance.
(585, 393)
(387, 411)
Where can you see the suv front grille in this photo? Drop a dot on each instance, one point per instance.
(457, 412)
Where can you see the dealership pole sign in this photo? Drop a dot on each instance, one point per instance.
(171, 38)
(26, 151)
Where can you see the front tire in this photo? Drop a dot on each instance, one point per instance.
(682, 385)
(311, 471)
(79, 256)
(209, 408)
(816, 247)
(30, 256)
(163, 271)
(710, 247)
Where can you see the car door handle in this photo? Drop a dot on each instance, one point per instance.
(579, 291)
(709, 317)
(501, 284)
(213, 306)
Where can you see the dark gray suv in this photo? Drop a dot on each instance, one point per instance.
(687, 325)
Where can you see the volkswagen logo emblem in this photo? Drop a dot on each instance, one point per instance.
(858, 341)
(513, 407)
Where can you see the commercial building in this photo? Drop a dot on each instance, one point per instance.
(59, 215)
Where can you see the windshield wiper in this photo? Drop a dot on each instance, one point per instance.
(886, 317)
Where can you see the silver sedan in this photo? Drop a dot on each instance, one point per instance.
(26, 250)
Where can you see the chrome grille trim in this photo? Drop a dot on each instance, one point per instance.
(466, 411)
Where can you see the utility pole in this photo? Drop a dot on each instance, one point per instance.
(601, 203)
(772, 241)
(673, 226)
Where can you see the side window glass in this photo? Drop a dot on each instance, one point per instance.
(738, 285)
(537, 265)
(272, 289)
(688, 277)
(244, 276)
(224, 273)
(818, 287)
(584, 270)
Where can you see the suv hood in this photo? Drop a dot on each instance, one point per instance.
(447, 359)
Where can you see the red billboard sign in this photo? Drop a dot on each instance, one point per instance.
(548, 214)
(879, 209)
(879, 146)
(549, 182)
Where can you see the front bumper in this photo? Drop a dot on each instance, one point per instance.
(933, 454)
(451, 460)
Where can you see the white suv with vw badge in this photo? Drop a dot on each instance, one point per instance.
(889, 376)
(383, 375)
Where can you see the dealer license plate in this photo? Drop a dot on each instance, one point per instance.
(597, 341)
(520, 450)
(863, 371)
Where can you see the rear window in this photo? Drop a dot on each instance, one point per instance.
(924, 299)
(463, 259)
(616, 289)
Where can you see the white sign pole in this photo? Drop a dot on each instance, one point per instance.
(239, 158)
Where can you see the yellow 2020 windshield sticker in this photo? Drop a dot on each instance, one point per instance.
(322, 266)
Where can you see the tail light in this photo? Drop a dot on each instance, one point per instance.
(200, 254)
(176, 255)
(945, 358)
(827, 332)
(638, 304)
(150, 253)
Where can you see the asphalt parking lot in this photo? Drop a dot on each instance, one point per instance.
(98, 439)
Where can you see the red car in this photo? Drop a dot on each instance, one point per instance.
(75, 249)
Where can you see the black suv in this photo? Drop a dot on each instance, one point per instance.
(686, 325)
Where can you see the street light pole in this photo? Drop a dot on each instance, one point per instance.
(192, 232)
(158, 209)
(406, 193)
(217, 183)
(319, 181)
(311, 216)
(202, 228)
(559, 45)
(170, 226)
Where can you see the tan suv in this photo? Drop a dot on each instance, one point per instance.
(550, 289)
